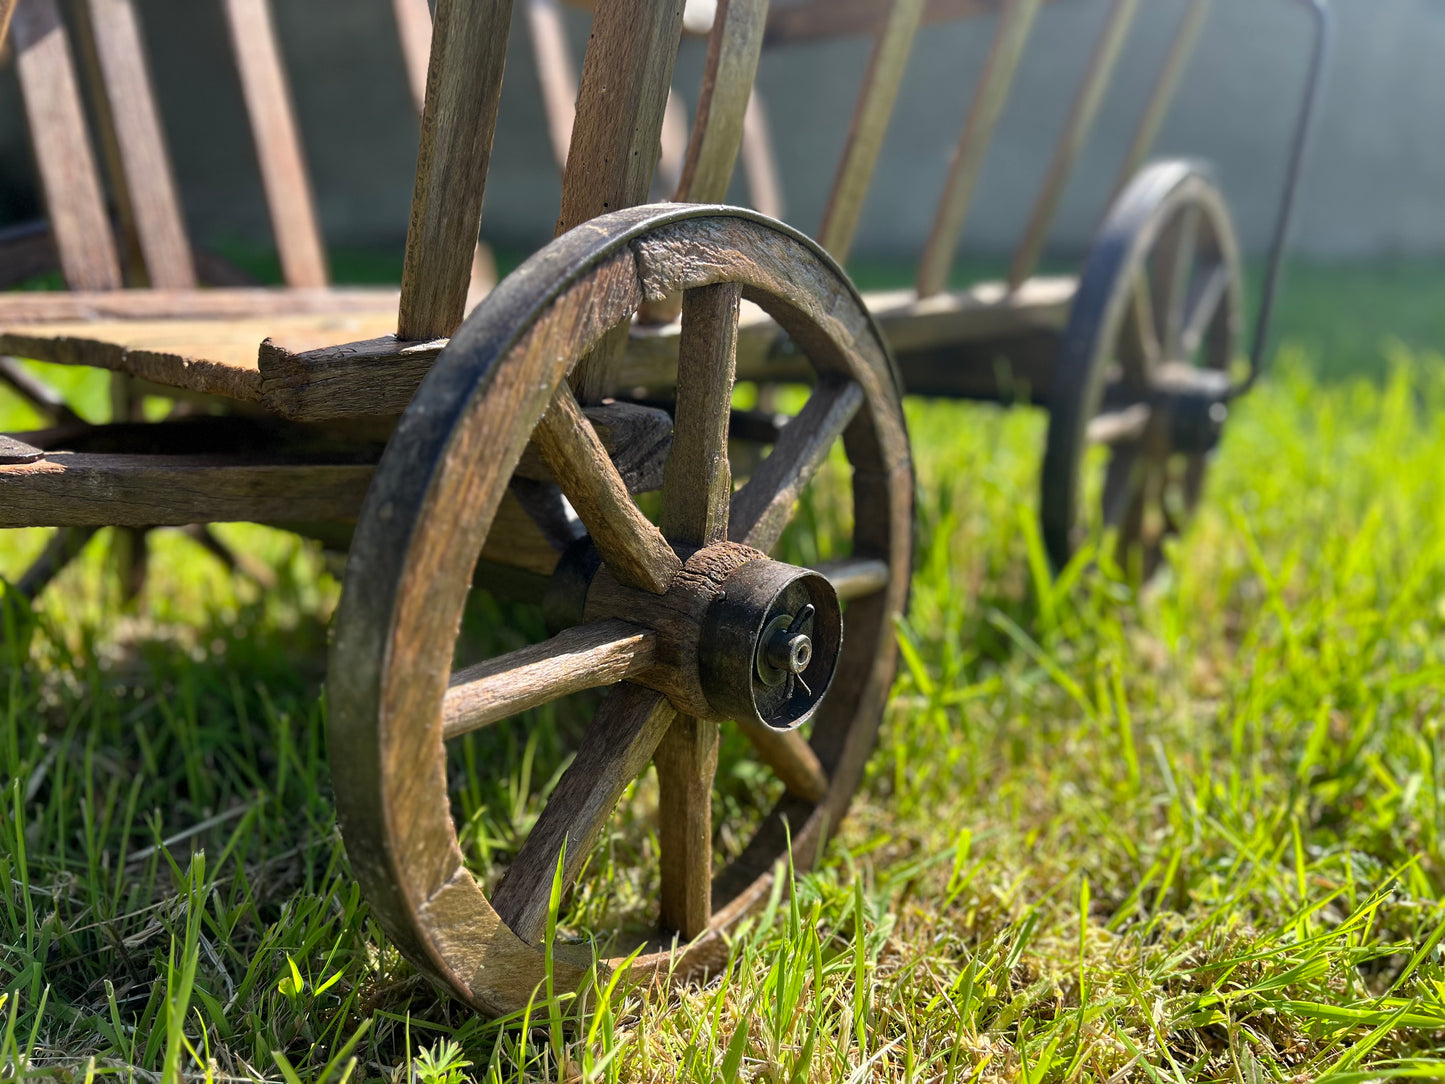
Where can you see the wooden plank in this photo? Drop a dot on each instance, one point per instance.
(631, 546)
(413, 29)
(464, 86)
(69, 181)
(734, 46)
(870, 124)
(989, 97)
(760, 164)
(381, 376)
(584, 657)
(135, 147)
(277, 141)
(1165, 88)
(618, 743)
(77, 490)
(214, 357)
(556, 74)
(1075, 135)
(49, 306)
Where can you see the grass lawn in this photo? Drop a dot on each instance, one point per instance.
(1190, 835)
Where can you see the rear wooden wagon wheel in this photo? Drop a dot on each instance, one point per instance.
(702, 625)
(1144, 368)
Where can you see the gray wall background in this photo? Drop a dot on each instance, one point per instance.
(1376, 186)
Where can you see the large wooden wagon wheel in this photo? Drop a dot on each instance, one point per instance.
(1144, 368)
(689, 622)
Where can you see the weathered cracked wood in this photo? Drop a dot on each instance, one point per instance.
(277, 141)
(870, 124)
(427, 516)
(464, 86)
(733, 49)
(77, 490)
(1015, 23)
(69, 181)
(686, 762)
(584, 657)
(618, 743)
(632, 547)
(135, 148)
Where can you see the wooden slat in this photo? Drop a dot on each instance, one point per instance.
(1165, 88)
(413, 28)
(464, 85)
(556, 73)
(1074, 137)
(277, 141)
(870, 124)
(77, 490)
(733, 48)
(617, 133)
(38, 307)
(68, 178)
(810, 20)
(140, 165)
(7, 9)
(988, 101)
(760, 163)
(584, 657)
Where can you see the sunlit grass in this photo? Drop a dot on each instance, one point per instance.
(1191, 835)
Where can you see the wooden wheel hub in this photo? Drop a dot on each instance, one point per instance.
(740, 636)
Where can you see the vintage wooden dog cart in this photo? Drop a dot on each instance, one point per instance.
(505, 451)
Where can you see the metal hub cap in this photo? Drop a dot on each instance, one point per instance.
(770, 644)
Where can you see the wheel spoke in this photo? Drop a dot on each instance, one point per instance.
(1139, 345)
(37, 393)
(697, 482)
(762, 508)
(618, 743)
(792, 760)
(579, 658)
(1203, 307)
(64, 546)
(1179, 255)
(856, 577)
(1121, 483)
(632, 547)
(686, 764)
(1119, 426)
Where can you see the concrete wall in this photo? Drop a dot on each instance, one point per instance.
(1377, 183)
